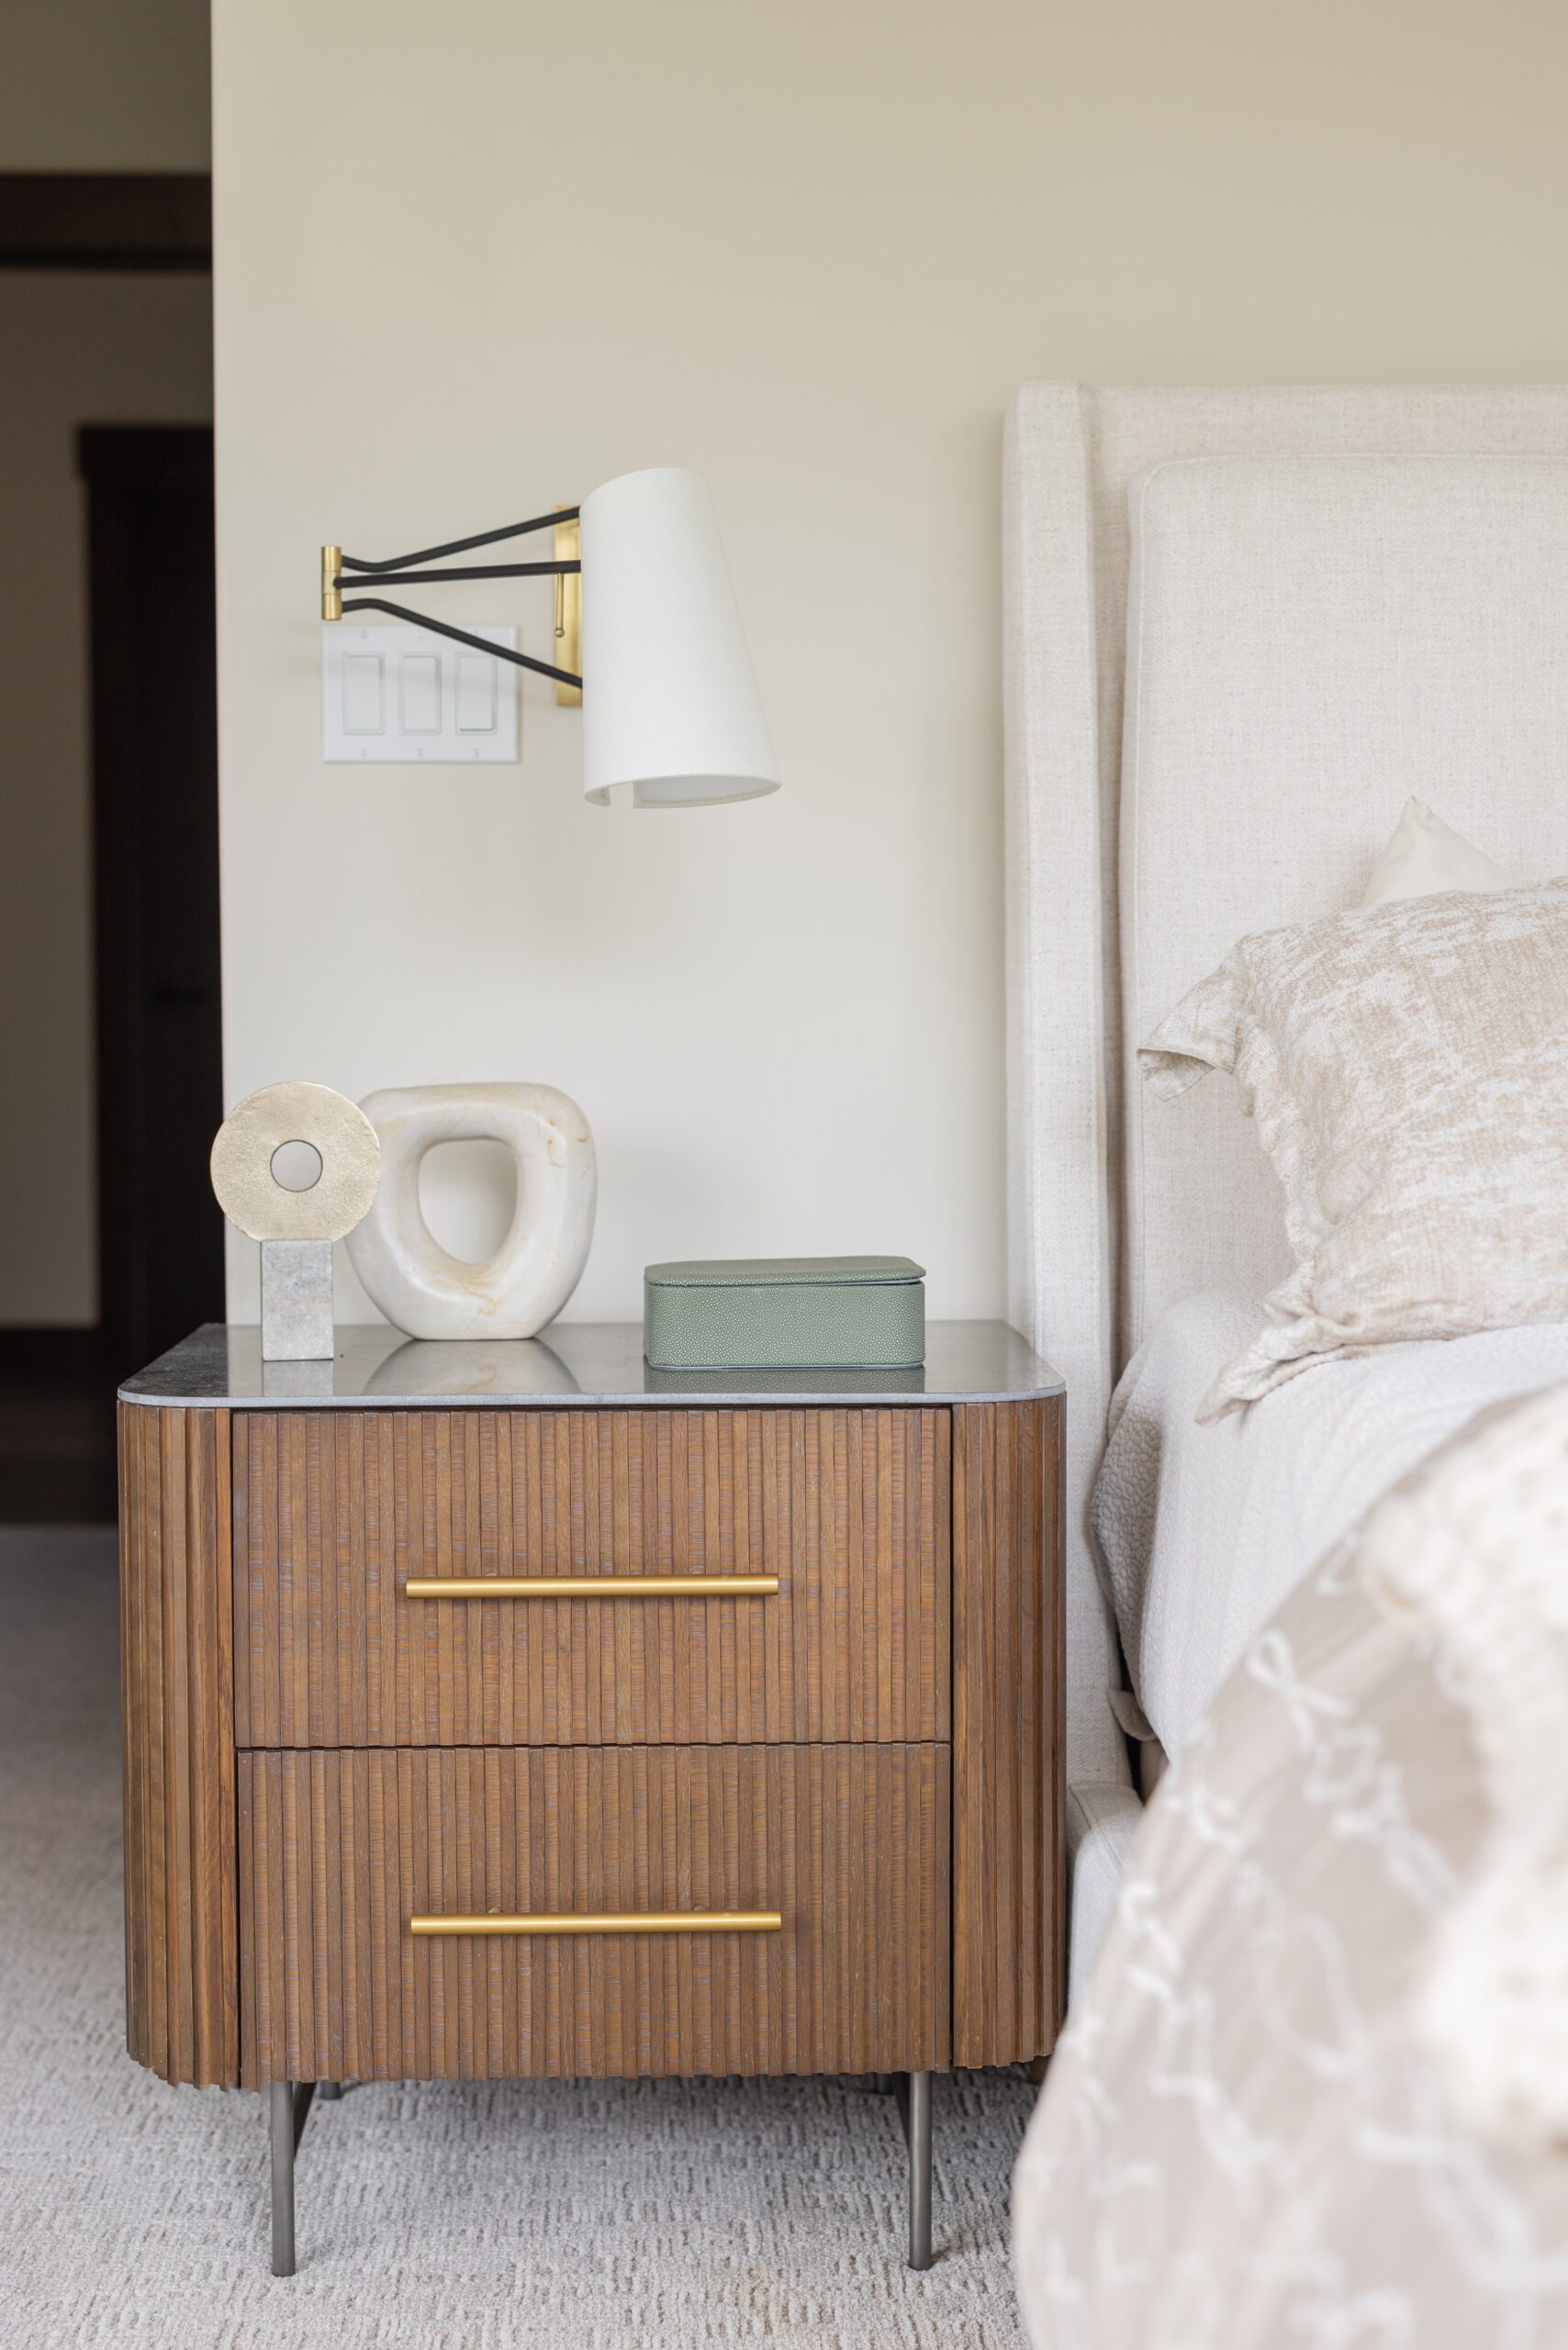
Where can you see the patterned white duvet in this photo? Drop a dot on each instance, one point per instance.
(1284, 2113)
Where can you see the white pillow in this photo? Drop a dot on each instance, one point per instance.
(1426, 855)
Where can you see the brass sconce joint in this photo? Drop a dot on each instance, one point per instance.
(331, 593)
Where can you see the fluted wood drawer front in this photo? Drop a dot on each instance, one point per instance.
(335, 1511)
(339, 1852)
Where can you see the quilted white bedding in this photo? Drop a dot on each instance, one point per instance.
(1316, 2092)
(1203, 1531)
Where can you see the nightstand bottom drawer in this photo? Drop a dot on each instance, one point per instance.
(833, 1860)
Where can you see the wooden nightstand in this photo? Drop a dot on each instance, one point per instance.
(516, 1710)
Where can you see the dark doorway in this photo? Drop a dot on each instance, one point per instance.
(151, 636)
(148, 495)
(151, 624)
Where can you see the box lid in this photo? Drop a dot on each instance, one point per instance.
(780, 1272)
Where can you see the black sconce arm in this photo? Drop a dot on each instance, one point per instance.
(461, 635)
(397, 571)
(461, 546)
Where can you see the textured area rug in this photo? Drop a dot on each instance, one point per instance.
(558, 2213)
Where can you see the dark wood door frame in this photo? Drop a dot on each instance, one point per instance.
(142, 220)
(157, 1030)
(154, 752)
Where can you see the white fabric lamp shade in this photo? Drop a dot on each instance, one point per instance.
(670, 705)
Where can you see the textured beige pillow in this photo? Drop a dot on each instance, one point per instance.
(1407, 1066)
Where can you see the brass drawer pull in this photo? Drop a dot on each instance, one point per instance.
(590, 1586)
(648, 1921)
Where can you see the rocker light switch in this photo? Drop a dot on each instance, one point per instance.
(419, 693)
(476, 694)
(363, 701)
(395, 695)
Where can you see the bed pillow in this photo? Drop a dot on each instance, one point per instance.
(1407, 1067)
(1424, 855)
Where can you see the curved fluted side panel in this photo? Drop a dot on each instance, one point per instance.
(180, 1904)
(1009, 1941)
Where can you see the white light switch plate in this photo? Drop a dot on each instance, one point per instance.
(401, 694)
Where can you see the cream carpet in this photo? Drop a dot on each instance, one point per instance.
(561, 2214)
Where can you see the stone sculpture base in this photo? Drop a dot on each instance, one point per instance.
(297, 1301)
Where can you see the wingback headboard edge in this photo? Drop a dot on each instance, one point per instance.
(1071, 451)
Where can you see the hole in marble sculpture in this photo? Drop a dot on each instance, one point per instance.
(468, 1197)
(296, 1166)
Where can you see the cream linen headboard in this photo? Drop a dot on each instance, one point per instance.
(1363, 600)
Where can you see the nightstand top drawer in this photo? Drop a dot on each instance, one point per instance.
(574, 1363)
(588, 1577)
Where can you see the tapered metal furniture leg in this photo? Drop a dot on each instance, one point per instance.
(327, 2092)
(913, 2093)
(288, 2110)
(280, 2116)
(920, 2170)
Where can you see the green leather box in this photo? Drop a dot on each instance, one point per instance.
(785, 1313)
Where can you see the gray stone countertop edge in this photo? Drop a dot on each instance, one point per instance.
(572, 1365)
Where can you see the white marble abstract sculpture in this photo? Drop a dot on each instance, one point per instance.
(417, 1283)
(295, 1227)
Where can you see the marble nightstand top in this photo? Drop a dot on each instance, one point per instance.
(573, 1363)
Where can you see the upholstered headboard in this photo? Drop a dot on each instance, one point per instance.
(1337, 598)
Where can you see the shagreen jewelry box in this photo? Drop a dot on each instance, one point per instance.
(785, 1313)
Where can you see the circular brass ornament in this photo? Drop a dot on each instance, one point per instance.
(336, 1130)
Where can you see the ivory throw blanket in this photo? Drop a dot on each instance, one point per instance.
(1317, 2091)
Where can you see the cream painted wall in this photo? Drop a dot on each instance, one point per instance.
(80, 350)
(809, 248)
(104, 85)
